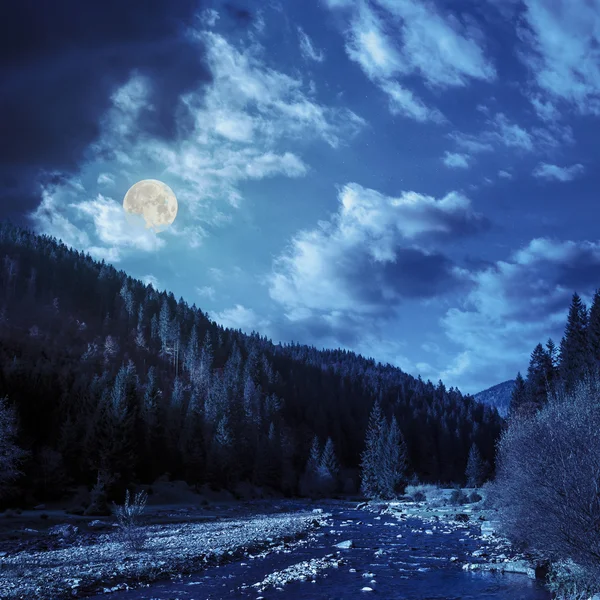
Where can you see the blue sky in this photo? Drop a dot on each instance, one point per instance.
(413, 180)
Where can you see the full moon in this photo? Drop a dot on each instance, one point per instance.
(154, 201)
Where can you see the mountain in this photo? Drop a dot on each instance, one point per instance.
(109, 377)
(498, 396)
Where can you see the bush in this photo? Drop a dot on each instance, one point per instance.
(548, 476)
(474, 497)
(419, 496)
(458, 497)
(132, 534)
(568, 581)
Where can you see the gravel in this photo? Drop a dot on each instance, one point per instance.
(80, 570)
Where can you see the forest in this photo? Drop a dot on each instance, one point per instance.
(107, 382)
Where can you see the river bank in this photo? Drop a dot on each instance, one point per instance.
(79, 562)
(84, 556)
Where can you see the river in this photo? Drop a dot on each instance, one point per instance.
(394, 559)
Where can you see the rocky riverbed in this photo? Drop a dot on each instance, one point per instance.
(68, 563)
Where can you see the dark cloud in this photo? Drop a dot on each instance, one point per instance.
(60, 63)
(412, 274)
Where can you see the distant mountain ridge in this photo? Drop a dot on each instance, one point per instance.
(497, 396)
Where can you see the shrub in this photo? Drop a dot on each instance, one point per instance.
(474, 497)
(132, 534)
(458, 497)
(419, 496)
(548, 476)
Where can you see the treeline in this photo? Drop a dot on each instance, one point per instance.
(548, 474)
(108, 376)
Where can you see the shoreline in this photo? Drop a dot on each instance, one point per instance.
(89, 564)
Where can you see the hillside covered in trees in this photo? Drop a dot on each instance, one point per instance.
(106, 377)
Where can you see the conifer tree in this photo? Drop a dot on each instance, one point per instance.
(475, 471)
(372, 457)
(518, 396)
(328, 468)
(394, 463)
(594, 331)
(539, 376)
(574, 346)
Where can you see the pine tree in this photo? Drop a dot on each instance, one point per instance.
(309, 485)
(574, 346)
(10, 454)
(539, 376)
(328, 468)
(518, 396)
(475, 471)
(394, 463)
(594, 331)
(372, 484)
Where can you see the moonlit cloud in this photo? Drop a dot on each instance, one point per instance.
(375, 251)
(308, 49)
(393, 40)
(455, 160)
(241, 317)
(562, 49)
(556, 173)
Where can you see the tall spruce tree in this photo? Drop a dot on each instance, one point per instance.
(394, 459)
(574, 346)
(539, 378)
(475, 471)
(371, 459)
(594, 331)
(518, 396)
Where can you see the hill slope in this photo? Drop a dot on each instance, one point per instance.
(109, 376)
(498, 396)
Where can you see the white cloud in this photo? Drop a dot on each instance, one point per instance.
(206, 291)
(151, 280)
(562, 41)
(115, 228)
(510, 134)
(392, 40)
(367, 256)
(504, 174)
(556, 173)
(105, 179)
(455, 160)
(242, 126)
(241, 317)
(307, 48)
(403, 102)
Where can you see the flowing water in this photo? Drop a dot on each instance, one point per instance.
(396, 559)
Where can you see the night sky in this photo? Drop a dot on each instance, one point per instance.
(413, 180)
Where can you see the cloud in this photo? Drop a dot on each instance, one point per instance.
(510, 134)
(241, 317)
(504, 174)
(115, 228)
(151, 280)
(237, 128)
(393, 40)
(556, 173)
(502, 132)
(206, 291)
(52, 98)
(562, 49)
(307, 48)
(403, 102)
(455, 160)
(518, 303)
(374, 252)
(105, 179)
